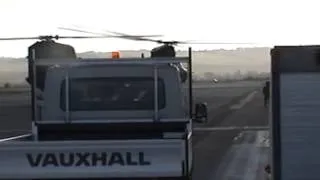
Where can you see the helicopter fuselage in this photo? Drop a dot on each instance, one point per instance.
(43, 50)
(163, 51)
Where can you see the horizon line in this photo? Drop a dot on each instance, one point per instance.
(178, 50)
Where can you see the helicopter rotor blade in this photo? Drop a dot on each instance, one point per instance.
(103, 34)
(199, 42)
(120, 35)
(134, 38)
(18, 38)
(84, 37)
(174, 42)
(143, 38)
(83, 31)
(55, 37)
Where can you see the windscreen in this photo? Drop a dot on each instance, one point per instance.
(112, 94)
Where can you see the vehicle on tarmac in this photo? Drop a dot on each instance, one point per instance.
(105, 117)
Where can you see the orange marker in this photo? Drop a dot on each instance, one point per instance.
(115, 55)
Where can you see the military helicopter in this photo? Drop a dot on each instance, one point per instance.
(165, 50)
(47, 48)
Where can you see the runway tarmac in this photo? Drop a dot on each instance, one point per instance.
(219, 155)
(234, 154)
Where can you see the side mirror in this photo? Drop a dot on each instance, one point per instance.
(201, 113)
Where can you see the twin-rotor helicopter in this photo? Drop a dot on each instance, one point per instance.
(47, 48)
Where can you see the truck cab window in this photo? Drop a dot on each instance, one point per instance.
(112, 93)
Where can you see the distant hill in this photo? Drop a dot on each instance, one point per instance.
(218, 61)
(215, 61)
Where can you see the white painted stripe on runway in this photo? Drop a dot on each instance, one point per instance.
(240, 135)
(254, 157)
(238, 160)
(263, 139)
(244, 101)
(15, 138)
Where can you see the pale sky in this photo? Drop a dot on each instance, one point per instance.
(260, 21)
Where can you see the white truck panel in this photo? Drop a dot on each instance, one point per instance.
(295, 112)
(300, 116)
(51, 110)
(92, 159)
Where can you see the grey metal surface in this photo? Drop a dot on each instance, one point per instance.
(300, 123)
(297, 58)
